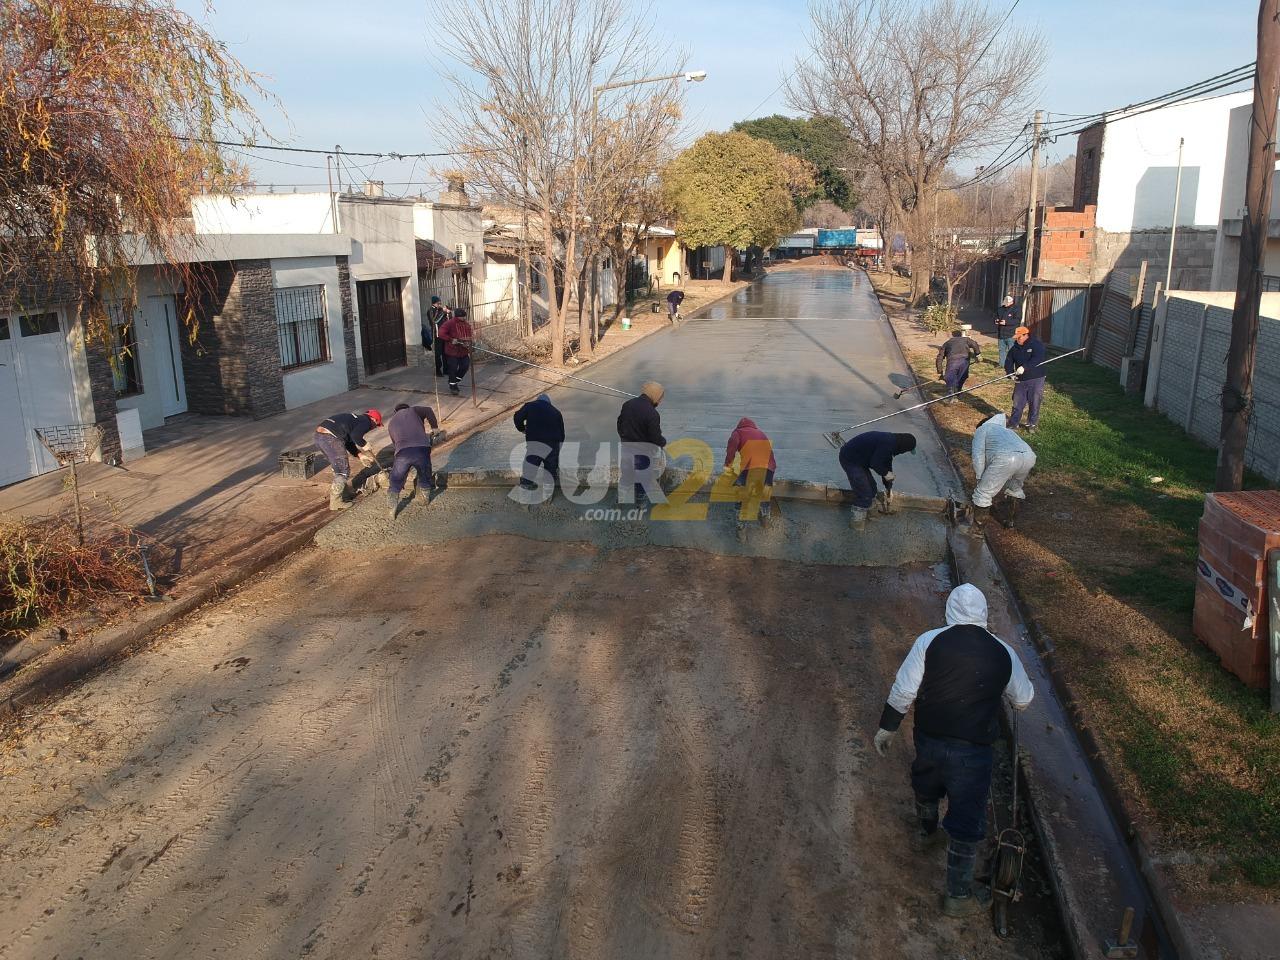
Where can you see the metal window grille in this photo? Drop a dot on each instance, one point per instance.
(1270, 284)
(300, 322)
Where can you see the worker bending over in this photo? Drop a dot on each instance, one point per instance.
(340, 435)
(640, 430)
(957, 675)
(954, 357)
(1001, 462)
(750, 445)
(408, 431)
(873, 450)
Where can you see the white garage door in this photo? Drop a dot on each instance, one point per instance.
(36, 390)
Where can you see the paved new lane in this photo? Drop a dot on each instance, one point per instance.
(801, 352)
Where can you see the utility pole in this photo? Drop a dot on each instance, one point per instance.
(1030, 251)
(1173, 232)
(1237, 392)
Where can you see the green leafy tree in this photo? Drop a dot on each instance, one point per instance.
(732, 190)
(823, 142)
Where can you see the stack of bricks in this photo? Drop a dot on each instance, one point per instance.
(1237, 532)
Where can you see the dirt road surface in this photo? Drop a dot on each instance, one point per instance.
(490, 748)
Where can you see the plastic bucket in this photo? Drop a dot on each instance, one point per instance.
(626, 323)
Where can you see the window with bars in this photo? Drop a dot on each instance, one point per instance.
(300, 322)
(125, 375)
(1270, 284)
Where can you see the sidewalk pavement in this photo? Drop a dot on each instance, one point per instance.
(210, 488)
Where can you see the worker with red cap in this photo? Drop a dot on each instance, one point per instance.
(340, 435)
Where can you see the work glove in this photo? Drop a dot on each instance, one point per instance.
(888, 477)
(1020, 371)
(883, 739)
(439, 436)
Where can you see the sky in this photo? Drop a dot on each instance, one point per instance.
(367, 75)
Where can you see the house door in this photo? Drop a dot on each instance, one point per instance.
(381, 324)
(162, 322)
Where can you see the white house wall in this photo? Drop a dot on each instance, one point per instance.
(304, 213)
(382, 246)
(315, 382)
(149, 341)
(1138, 173)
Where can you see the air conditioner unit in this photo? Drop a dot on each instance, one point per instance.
(462, 253)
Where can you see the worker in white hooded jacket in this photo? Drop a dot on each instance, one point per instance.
(956, 677)
(1001, 462)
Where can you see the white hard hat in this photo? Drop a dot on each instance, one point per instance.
(1008, 301)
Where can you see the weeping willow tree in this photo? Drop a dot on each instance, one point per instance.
(109, 113)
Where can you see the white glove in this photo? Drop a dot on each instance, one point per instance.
(889, 477)
(1020, 371)
(883, 739)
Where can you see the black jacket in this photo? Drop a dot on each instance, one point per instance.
(350, 428)
(638, 422)
(540, 422)
(874, 450)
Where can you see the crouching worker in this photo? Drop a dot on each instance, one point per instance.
(408, 431)
(1001, 462)
(955, 357)
(957, 674)
(873, 450)
(338, 436)
(752, 447)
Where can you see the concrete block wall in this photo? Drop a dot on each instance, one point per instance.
(1182, 385)
(233, 368)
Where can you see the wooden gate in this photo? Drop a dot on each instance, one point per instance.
(381, 324)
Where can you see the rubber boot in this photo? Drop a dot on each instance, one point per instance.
(858, 518)
(962, 899)
(423, 496)
(979, 519)
(338, 494)
(393, 504)
(1010, 511)
(927, 837)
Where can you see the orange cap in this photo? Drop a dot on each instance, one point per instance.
(1021, 330)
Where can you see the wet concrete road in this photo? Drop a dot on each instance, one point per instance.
(802, 352)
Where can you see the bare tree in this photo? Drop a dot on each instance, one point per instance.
(522, 110)
(918, 83)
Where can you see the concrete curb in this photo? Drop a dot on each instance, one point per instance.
(72, 661)
(782, 489)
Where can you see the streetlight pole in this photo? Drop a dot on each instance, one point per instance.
(689, 76)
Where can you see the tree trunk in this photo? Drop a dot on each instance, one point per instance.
(1237, 392)
(729, 256)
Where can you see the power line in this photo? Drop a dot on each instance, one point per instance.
(384, 155)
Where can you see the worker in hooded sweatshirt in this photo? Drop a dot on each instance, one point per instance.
(1001, 462)
(543, 428)
(639, 423)
(340, 435)
(458, 339)
(750, 445)
(956, 675)
(873, 450)
(408, 431)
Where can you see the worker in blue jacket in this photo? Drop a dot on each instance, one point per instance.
(1024, 360)
(873, 450)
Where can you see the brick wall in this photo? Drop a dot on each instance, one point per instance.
(233, 368)
(1085, 191)
(348, 324)
(1182, 386)
(1064, 249)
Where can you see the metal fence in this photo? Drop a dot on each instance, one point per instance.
(300, 325)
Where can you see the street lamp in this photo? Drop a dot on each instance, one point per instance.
(688, 76)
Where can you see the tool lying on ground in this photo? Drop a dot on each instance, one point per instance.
(835, 436)
(1011, 848)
